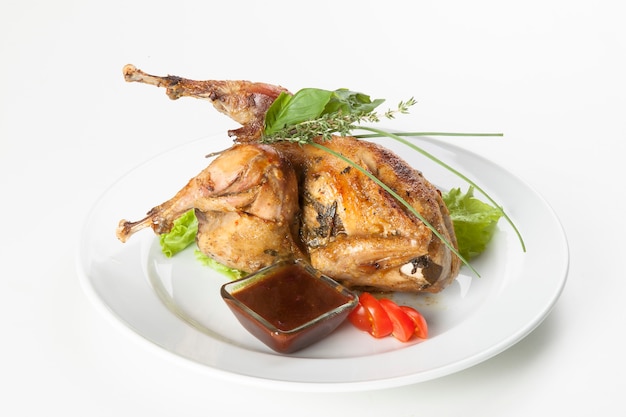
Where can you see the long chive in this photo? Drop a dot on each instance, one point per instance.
(375, 135)
(399, 138)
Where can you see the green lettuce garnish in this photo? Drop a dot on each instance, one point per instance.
(474, 221)
(183, 234)
(221, 268)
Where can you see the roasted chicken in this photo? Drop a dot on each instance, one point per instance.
(258, 203)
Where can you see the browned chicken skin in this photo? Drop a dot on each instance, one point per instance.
(260, 203)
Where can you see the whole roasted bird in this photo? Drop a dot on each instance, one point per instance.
(259, 203)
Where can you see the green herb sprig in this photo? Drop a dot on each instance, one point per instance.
(315, 113)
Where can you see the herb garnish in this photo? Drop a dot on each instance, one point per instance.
(312, 113)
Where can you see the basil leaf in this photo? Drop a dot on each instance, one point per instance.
(286, 110)
(348, 102)
(310, 103)
(273, 113)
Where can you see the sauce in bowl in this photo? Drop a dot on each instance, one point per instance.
(289, 305)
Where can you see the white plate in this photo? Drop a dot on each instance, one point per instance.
(175, 303)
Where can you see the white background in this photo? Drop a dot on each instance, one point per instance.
(549, 74)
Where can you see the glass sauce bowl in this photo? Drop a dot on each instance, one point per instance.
(289, 305)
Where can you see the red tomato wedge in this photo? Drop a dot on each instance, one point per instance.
(384, 317)
(403, 324)
(379, 322)
(360, 318)
(421, 327)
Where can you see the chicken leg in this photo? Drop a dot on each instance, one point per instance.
(243, 101)
(246, 202)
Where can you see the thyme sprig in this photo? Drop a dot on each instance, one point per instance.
(335, 123)
(403, 108)
(325, 126)
(415, 134)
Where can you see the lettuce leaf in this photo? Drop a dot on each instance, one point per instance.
(183, 234)
(474, 221)
(221, 268)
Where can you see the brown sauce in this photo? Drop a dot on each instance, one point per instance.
(290, 297)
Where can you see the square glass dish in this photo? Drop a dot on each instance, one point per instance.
(289, 305)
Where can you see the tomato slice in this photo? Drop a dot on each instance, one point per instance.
(421, 327)
(380, 323)
(383, 317)
(360, 318)
(403, 324)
